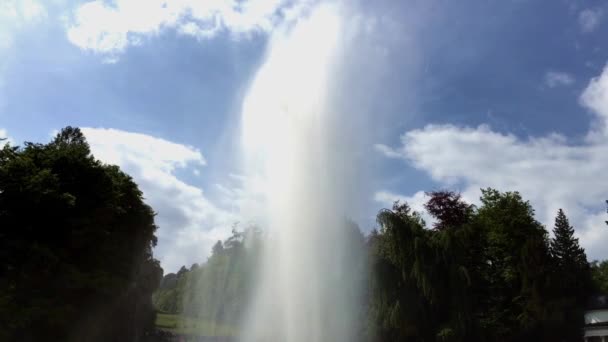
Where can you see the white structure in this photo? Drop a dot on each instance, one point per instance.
(596, 320)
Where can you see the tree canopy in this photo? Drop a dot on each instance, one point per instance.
(76, 260)
(75, 246)
(487, 273)
(482, 274)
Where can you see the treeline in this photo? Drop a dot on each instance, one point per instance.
(76, 262)
(487, 273)
(219, 290)
(76, 245)
(479, 274)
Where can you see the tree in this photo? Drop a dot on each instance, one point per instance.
(397, 309)
(565, 248)
(182, 270)
(76, 245)
(421, 280)
(218, 248)
(571, 279)
(448, 208)
(566, 251)
(218, 290)
(515, 256)
(599, 271)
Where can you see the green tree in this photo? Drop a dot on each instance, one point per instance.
(569, 257)
(421, 278)
(218, 248)
(599, 271)
(565, 249)
(516, 254)
(218, 290)
(76, 244)
(571, 280)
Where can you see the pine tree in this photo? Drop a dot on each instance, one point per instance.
(570, 259)
(571, 279)
(565, 248)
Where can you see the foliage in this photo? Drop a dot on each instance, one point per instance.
(564, 246)
(448, 208)
(420, 277)
(599, 271)
(218, 290)
(571, 279)
(482, 274)
(75, 246)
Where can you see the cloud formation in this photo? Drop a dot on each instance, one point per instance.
(109, 28)
(589, 19)
(14, 15)
(415, 201)
(549, 171)
(5, 138)
(558, 78)
(189, 224)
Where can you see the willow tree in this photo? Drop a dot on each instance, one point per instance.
(478, 274)
(421, 279)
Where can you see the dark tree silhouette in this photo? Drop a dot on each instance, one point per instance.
(565, 248)
(448, 208)
(75, 246)
(571, 279)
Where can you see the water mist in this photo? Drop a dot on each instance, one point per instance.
(296, 153)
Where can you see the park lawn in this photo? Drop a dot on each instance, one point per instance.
(178, 324)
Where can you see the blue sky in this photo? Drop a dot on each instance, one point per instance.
(459, 95)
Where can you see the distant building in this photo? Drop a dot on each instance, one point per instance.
(596, 320)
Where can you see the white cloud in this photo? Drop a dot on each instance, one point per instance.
(14, 15)
(100, 27)
(189, 224)
(387, 151)
(5, 138)
(549, 171)
(558, 78)
(416, 203)
(595, 98)
(590, 19)
(32, 10)
(22, 10)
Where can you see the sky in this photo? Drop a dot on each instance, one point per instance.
(456, 95)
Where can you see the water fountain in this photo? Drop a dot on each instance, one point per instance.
(294, 153)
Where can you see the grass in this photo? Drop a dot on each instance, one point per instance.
(178, 324)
